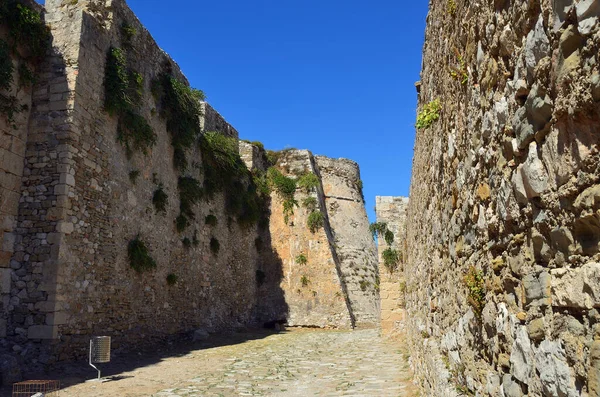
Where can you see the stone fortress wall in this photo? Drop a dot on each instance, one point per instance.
(392, 212)
(503, 224)
(70, 207)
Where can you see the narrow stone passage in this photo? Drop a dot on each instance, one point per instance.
(294, 363)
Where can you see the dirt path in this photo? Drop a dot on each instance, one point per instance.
(292, 363)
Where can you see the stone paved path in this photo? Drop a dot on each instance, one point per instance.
(296, 363)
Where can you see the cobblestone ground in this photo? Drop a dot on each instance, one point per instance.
(296, 363)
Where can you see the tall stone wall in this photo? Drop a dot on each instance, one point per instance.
(13, 138)
(72, 199)
(336, 287)
(503, 224)
(392, 212)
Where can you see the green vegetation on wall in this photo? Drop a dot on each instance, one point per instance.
(160, 199)
(301, 259)
(123, 91)
(308, 182)
(172, 279)
(473, 280)
(315, 221)
(190, 193)
(26, 30)
(285, 188)
(179, 104)
(139, 256)
(429, 114)
(246, 193)
(390, 257)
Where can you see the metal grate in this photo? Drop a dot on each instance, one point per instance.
(29, 388)
(100, 349)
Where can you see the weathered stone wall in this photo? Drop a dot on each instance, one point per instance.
(79, 210)
(13, 138)
(339, 288)
(504, 200)
(72, 200)
(392, 211)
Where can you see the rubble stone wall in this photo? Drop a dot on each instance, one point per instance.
(392, 212)
(503, 224)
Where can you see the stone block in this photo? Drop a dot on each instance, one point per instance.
(5, 280)
(57, 318)
(8, 242)
(577, 288)
(42, 332)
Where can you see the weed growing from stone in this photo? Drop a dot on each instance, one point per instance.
(315, 221)
(128, 32)
(160, 199)
(429, 114)
(187, 243)
(210, 220)
(388, 237)
(304, 281)
(172, 279)
(460, 71)
(215, 246)
(26, 28)
(123, 90)
(9, 105)
(391, 257)
(285, 188)
(179, 104)
(310, 203)
(378, 229)
(308, 182)
(301, 259)
(451, 7)
(473, 280)
(27, 77)
(139, 256)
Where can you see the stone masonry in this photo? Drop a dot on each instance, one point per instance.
(503, 225)
(69, 207)
(392, 211)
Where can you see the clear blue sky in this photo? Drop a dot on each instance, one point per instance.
(332, 76)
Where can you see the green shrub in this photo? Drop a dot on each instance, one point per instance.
(139, 257)
(389, 237)
(215, 246)
(301, 259)
(459, 72)
(272, 157)
(304, 281)
(473, 280)
(123, 90)
(187, 243)
(127, 34)
(181, 222)
(26, 28)
(391, 257)
(210, 220)
(308, 182)
(260, 278)
(429, 114)
(179, 104)
(378, 229)
(172, 279)
(221, 161)
(451, 7)
(285, 188)
(315, 221)
(160, 199)
(310, 203)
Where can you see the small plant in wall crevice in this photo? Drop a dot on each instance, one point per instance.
(139, 256)
(301, 259)
(429, 114)
(172, 279)
(215, 246)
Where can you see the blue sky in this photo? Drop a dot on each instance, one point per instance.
(332, 76)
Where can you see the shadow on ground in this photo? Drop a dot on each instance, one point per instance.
(76, 372)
